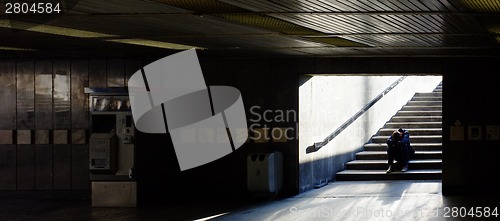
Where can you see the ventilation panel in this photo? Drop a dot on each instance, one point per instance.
(482, 5)
(269, 23)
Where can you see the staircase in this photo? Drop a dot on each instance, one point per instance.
(421, 116)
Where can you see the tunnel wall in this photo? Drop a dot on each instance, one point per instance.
(44, 123)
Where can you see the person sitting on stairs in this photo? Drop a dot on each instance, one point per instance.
(399, 149)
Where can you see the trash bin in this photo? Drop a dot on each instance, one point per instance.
(265, 172)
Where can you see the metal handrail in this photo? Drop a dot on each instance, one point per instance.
(318, 145)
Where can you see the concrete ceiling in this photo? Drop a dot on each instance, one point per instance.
(257, 28)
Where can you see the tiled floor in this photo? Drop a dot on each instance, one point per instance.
(342, 200)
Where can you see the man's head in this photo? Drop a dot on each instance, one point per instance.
(396, 135)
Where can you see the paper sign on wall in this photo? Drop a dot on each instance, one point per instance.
(475, 133)
(493, 132)
(456, 133)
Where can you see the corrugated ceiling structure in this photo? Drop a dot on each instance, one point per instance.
(277, 27)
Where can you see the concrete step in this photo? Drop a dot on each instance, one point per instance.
(382, 155)
(415, 131)
(429, 94)
(422, 98)
(413, 125)
(416, 164)
(419, 113)
(424, 174)
(413, 139)
(424, 103)
(416, 146)
(416, 119)
(421, 108)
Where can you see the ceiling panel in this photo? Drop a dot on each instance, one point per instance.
(338, 41)
(121, 7)
(397, 52)
(482, 5)
(39, 42)
(264, 27)
(156, 25)
(269, 23)
(346, 5)
(202, 6)
(429, 40)
(330, 51)
(255, 41)
(384, 23)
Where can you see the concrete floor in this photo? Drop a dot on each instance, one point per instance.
(372, 200)
(353, 200)
(342, 200)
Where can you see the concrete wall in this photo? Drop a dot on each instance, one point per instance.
(326, 102)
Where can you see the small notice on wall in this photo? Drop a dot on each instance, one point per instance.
(493, 132)
(475, 133)
(456, 133)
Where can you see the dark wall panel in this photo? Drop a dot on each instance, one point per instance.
(132, 66)
(396, 65)
(61, 94)
(25, 95)
(97, 73)
(79, 100)
(208, 67)
(305, 65)
(241, 74)
(284, 87)
(323, 65)
(225, 73)
(80, 167)
(62, 167)
(115, 76)
(43, 95)
(84, 73)
(43, 167)
(343, 65)
(424, 65)
(25, 167)
(360, 65)
(260, 82)
(8, 167)
(283, 84)
(8, 95)
(378, 65)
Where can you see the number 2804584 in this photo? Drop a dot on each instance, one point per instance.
(32, 8)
